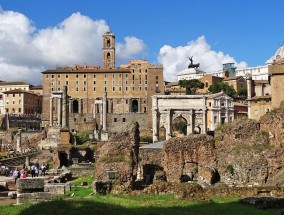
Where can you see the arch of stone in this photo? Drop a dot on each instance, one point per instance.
(166, 108)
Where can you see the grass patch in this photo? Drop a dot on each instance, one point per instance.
(130, 205)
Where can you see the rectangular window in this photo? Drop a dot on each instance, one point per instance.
(123, 119)
(20, 110)
(13, 94)
(52, 83)
(119, 75)
(94, 76)
(13, 102)
(94, 89)
(84, 89)
(20, 101)
(146, 88)
(115, 119)
(85, 76)
(66, 76)
(105, 89)
(46, 76)
(85, 82)
(52, 76)
(126, 75)
(58, 76)
(113, 89)
(58, 89)
(77, 76)
(113, 75)
(105, 82)
(77, 89)
(113, 82)
(77, 82)
(94, 82)
(119, 88)
(133, 88)
(52, 89)
(105, 75)
(58, 82)
(126, 88)
(66, 82)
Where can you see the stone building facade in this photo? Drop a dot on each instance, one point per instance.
(128, 88)
(220, 109)
(21, 102)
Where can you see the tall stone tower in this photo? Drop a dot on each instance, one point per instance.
(108, 50)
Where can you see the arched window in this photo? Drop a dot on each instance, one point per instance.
(108, 43)
(108, 56)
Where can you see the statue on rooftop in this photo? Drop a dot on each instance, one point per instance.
(191, 65)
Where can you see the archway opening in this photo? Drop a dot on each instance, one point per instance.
(75, 106)
(179, 127)
(162, 134)
(63, 158)
(134, 105)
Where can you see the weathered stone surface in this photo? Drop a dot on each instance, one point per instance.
(12, 194)
(57, 188)
(30, 185)
(188, 155)
(119, 154)
(3, 185)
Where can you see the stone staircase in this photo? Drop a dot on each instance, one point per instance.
(17, 161)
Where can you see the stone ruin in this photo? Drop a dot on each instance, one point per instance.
(117, 162)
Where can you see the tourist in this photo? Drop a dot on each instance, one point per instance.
(24, 175)
(43, 169)
(36, 171)
(33, 170)
(16, 174)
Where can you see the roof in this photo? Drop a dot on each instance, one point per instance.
(261, 81)
(157, 145)
(260, 97)
(190, 71)
(18, 91)
(14, 83)
(86, 70)
(212, 96)
(233, 78)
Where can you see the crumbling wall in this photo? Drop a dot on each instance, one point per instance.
(119, 154)
(188, 155)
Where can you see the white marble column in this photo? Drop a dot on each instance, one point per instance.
(169, 128)
(64, 107)
(51, 111)
(59, 111)
(79, 106)
(105, 111)
(204, 121)
(155, 126)
(190, 127)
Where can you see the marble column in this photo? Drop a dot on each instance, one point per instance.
(51, 111)
(19, 140)
(204, 121)
(104, 111)
(169, 128)
(79, 105)
(155, 126)
(59, 111)
(64, 107)
(190, 127)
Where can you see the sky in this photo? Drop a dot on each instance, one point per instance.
(39, 35)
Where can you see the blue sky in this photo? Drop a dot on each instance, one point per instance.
(39, 35)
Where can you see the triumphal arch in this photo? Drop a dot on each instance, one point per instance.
(166, 108)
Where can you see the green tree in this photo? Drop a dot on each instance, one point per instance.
(191, 85)
(218, 87)
(242, 91)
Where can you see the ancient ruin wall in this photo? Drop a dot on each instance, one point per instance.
(181, 154)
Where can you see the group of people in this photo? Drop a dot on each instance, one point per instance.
(35, 170)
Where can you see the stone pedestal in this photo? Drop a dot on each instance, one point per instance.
(64, 136)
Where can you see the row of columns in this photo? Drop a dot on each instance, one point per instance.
(61, 108)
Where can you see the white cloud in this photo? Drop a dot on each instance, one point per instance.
(26, 51)
(175, 59)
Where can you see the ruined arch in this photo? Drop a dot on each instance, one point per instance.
(179, 126)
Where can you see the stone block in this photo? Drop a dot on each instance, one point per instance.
(12, 194)
(3, 185)
(30, 185)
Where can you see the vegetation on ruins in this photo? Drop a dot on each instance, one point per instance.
(242, 91)
(180, 126)
(148, 139)
(191, 86)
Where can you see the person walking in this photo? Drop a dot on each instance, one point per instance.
(16, 174)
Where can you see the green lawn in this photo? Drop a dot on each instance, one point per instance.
(82, 203)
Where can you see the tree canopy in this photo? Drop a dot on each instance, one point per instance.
(242, 91)
(218, 87)
(191, 85)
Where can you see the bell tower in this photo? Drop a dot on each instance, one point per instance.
(108, 50)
